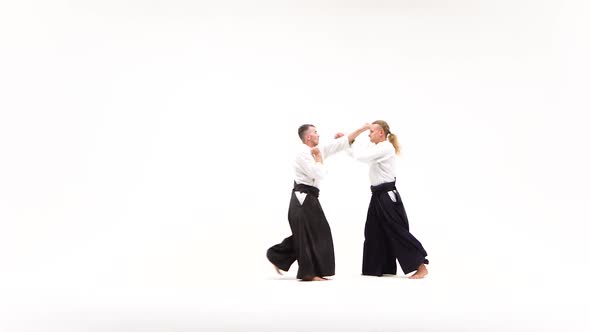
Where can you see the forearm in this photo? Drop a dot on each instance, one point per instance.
(318, 158)
(352, 136)
(317, 171)
(311, 165)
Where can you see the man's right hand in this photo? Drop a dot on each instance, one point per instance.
(317, 154)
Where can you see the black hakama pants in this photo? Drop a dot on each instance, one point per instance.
(387, 235)
(311, 241)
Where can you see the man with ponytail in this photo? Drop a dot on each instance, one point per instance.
(387, 233)
(311, 243)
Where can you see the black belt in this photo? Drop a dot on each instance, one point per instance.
(384, 187)
(306, 189)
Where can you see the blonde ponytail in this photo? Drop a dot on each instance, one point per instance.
(391, 137)
(393, 140)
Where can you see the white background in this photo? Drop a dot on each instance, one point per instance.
(146, 148)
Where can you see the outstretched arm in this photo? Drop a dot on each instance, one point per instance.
(341, 143)
(352, 136)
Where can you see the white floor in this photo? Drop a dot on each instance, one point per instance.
(268, 302)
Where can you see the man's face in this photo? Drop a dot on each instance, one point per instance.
(312, 136)
(376, 133)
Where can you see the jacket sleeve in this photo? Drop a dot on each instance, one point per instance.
(368, 152)
(309, 166)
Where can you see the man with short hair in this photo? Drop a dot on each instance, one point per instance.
(311, 240)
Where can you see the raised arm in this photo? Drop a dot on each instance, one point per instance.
(340, 143)
(352, 136)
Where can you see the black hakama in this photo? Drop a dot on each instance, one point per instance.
(387, 235)
(311, 243)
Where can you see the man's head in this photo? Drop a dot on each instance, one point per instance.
(309, 135)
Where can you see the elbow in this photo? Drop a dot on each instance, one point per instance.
(319, 174)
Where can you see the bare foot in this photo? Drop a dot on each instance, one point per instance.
(420, 273)
(313, 279)
(277, 269)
